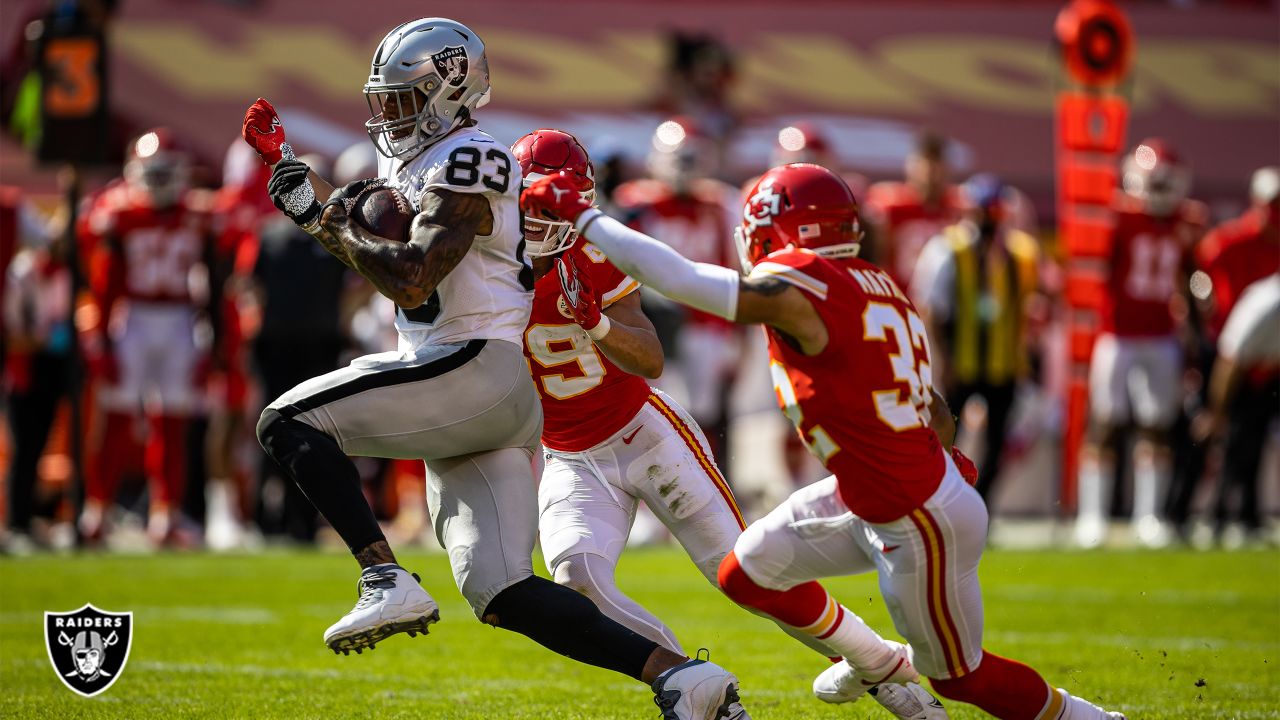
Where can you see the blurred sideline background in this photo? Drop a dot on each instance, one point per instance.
(865, 86)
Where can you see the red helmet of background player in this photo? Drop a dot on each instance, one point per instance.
(1156, 175)
(802, 142)
(799, 205)
(157, 167)
(549, 152)
(680, 153)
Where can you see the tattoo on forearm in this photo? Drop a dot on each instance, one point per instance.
(440, 237)
(329, 242)
(765, 285)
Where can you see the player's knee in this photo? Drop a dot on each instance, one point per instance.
(536, 604)
(575, 573)
(268, 425)
(738, 586)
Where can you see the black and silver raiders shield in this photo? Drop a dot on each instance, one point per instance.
(88, 647)
(451, 64)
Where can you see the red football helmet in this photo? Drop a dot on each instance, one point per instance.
(548, 152)
(799, 205)
(801, 142)
(1156, 175)
(158, 167)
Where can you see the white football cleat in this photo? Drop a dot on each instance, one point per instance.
(1077, 708)
(391, 601)
(698, 690)
(843, 683)
(909, 701)
(1091, 532)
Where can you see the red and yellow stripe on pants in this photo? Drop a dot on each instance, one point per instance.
(690, 437)
(937, 582)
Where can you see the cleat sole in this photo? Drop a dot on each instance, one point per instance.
(368, 638)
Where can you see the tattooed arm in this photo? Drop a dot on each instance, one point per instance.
(408, 273)
(784, 307)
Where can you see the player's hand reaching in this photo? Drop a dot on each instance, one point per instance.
(967, 469)
(580, 297)
(264, 132)
(554, 197)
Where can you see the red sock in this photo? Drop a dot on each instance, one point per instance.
(801, 606)
(1006, 689)
(167, 459)
(110, 458)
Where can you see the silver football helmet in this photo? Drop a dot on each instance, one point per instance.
(427, 76)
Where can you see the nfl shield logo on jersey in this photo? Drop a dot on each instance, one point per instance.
(88, 647)
(451, 63)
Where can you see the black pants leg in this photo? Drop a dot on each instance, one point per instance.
(31, 415)
(1250, 416)
(999, 402)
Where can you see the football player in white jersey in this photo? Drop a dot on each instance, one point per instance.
(457, 393)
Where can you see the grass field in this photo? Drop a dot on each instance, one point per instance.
(1158, 635)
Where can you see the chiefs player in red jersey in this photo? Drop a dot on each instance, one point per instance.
(1135, 373)
(905, 215)
(851, 362)
(681, 205)
(151, 281)
(611, 440)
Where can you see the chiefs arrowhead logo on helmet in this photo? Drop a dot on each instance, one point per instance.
(763, 204)
(798, 205)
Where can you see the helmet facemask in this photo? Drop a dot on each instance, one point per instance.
(402, 120)
(543, 238)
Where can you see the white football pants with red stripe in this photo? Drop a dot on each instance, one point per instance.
(587, 500)
(927, 563)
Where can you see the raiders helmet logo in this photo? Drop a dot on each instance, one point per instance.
(451, 64)
(762, 206)
(88, 647)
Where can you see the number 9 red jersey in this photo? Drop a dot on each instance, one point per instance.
(861, 405)
(585, 397)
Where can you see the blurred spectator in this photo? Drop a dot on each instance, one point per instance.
(301, 288)
(37, 332)
(1243, 253)
(1135, 374)
(700, 75)
(151, 282)
(682, 206)
(903, 216)
(974, 282)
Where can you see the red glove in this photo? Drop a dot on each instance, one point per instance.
(967, 469)
(263, 131)
(553, 198)
(580, 298)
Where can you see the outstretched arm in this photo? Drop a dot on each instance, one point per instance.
(439, 238)
(711, 288)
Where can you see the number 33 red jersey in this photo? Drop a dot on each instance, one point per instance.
(585, 397)
(861, 404)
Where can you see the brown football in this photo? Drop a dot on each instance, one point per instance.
(383, 211)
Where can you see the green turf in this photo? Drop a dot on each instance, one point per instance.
(1158, 635)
